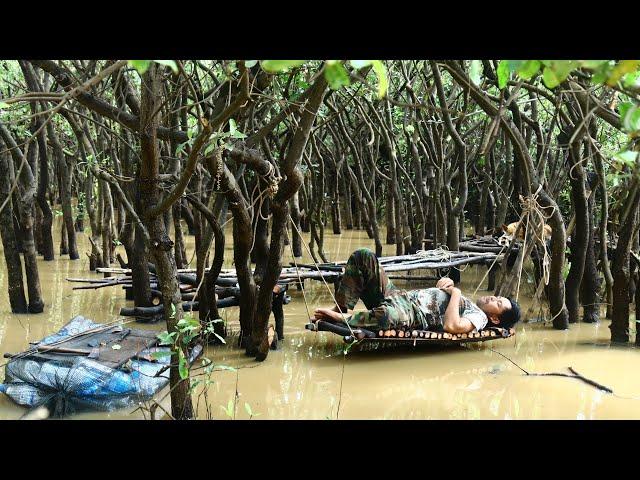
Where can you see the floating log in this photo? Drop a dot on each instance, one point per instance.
(321, 266)
(323, 326)
(186, 306)
(413, 277)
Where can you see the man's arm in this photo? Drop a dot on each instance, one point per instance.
(331, 314)
(453, 322)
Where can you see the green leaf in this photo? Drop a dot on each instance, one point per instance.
(592, 64)
(630, 118)
(232, 126)
(4, 105)
(220, 338)
(475, 70)
(160, 354)
(209, 149)
(630, 80)
(503, 74)
(627, 157)
(624, 108)
(169, 63)
(166, 338)
(140, 65)
(336, 75)
(275, 66)
(557, 72)
(625, 66)
(550, 78)
(229, 409)
(188, 323)
(383, 81)
(182, 365)
(181, 147)
(194, 384)
(238, 134)
(247, 407)
(173, 310)
(528, 69)
(250, 63)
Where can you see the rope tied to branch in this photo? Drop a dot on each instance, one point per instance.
(534, 214)
(272, 181)
(442, 253)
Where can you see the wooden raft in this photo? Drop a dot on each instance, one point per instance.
(97, 346)
(409, 336)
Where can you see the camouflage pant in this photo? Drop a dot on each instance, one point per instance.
(364, 278)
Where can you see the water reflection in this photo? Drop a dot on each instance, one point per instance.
(309, 377)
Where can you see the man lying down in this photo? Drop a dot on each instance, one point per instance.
(442, 308)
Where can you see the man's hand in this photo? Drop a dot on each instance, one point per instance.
(451, 289)
(445, 284)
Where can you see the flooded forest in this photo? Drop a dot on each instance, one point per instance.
(170, 229)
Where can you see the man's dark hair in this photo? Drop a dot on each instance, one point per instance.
(510, 317)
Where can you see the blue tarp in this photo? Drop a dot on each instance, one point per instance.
(82, 384)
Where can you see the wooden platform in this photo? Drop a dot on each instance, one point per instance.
(332, 272)
(98, 346)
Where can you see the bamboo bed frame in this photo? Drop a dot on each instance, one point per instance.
(407, 337)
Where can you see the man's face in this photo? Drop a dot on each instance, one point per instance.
(493, 307)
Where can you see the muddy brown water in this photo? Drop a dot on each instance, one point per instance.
(310, 377)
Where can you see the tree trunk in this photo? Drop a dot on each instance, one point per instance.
(296, 240)
(27, 191)
(590, 278)
(180, 251)
(390, 215)
(17, 299)
(621, 269)
(580, 237)
(346, 199)
(161, 245)
(279, 207)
